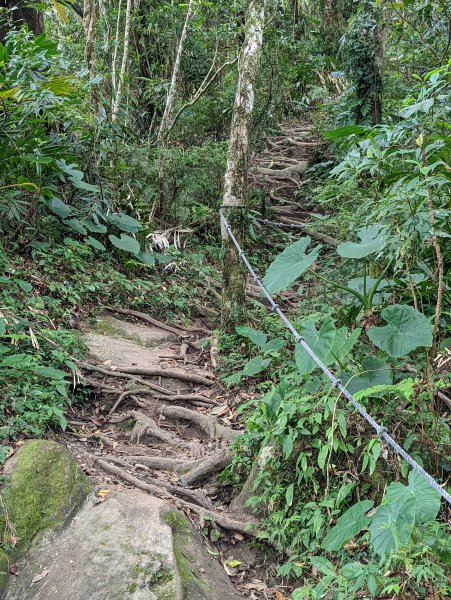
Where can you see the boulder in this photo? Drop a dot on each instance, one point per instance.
(43, 489)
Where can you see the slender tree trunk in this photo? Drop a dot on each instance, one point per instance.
(165, 120)
(116, 46)
(120, 84)
(235, 184)
(89, 25)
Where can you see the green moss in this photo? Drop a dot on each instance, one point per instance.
(105, 326)
(180, 531)
(45, 489)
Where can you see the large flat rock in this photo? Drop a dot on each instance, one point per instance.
(131, 546)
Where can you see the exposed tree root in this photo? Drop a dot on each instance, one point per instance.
(207, 423)
(168, 373)
(144, 425)
(212, 464)
(221, 519)
(162, 463)
(115, 373)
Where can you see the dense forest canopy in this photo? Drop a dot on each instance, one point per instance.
(136, 135)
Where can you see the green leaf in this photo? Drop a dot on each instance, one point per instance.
(344, 132)
(352, 570)
(344, 343)
(392, 526)
(59, 207)
(427, 500)
(256, 336)
(372, 239)
(404, 388)
(95, 243)
(147, 258)
(24, 285)
(255, 365)
(76, 226)
(94, 227)
(50, 372)
(375, 372)
(289, 494)
(125, 242)
(347, 526)
(18, 361)
(124, 222)
(321, 342)
(289, 265)
(407, 330)
(272, 345)
(323, 565)
(84, 185)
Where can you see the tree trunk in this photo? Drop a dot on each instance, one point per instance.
(165, 120)
(89, 25)
(19, 14)
(235, 184)
(120, 84)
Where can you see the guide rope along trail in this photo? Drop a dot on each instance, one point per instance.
(336, 383)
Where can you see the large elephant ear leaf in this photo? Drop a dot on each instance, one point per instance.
(372, 239)
(320, 341)
(289, 265)
(125, 242)
(392, 525)
(427, 500)
(406, 330)
(348, 525)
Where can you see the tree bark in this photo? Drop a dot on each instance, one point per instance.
(120, 84)
(19, 14)
(235, 184)
(89, 25)
(165, 120)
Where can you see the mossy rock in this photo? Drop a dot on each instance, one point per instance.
(43, 490)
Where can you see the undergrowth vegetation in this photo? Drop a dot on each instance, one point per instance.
(102, 204)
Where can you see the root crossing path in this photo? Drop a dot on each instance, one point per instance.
(159, 423)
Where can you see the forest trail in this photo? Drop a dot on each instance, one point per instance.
(160, 424)
(278, 171)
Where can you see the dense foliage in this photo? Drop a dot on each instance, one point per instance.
(103, 203)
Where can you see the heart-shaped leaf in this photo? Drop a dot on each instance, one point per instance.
(125, 242)
(392, 526)
(289, 265)
(348, 525)
(427, 500)
(321, 342)
(407, 329)
(76, 225)
(372, 239)
(256, 336)
(124, 222)
(255, 365)
(95, 243)
(344, 343)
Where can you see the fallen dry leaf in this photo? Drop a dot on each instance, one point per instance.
(40, 576)
(103, 493)
(14, 569)
(280, 596)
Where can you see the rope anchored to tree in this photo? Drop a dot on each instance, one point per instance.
(336, 383)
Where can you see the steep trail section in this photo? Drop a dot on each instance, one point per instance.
(281, 172)
(157, 421)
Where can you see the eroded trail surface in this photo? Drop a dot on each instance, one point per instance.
(160, 424)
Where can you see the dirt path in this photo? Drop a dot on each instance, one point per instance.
(158, 421)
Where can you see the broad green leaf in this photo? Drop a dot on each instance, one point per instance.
(84, 185)
(94, 227)
(344, 343)
(289, 494)
(374, 372)
(323, 565)
(50, 372)
(392, 526)
(76, 226)
(347, 526)
(59, 207)
(289, 265)
(321, 342)
(274, 344)
(256, 336)
(427, 500)
(19, 361)
(255, 365)
(372, 239)
(147, 258)
(352, 570)
(407, 329)
(24, 285)
(344, 132)
(94, 243)
(404, 388)
(124, 222)
(125, 242)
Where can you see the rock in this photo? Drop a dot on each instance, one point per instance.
(131, 546)
(44, 489)
(142, 335)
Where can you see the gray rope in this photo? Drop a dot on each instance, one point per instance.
(336, 383)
